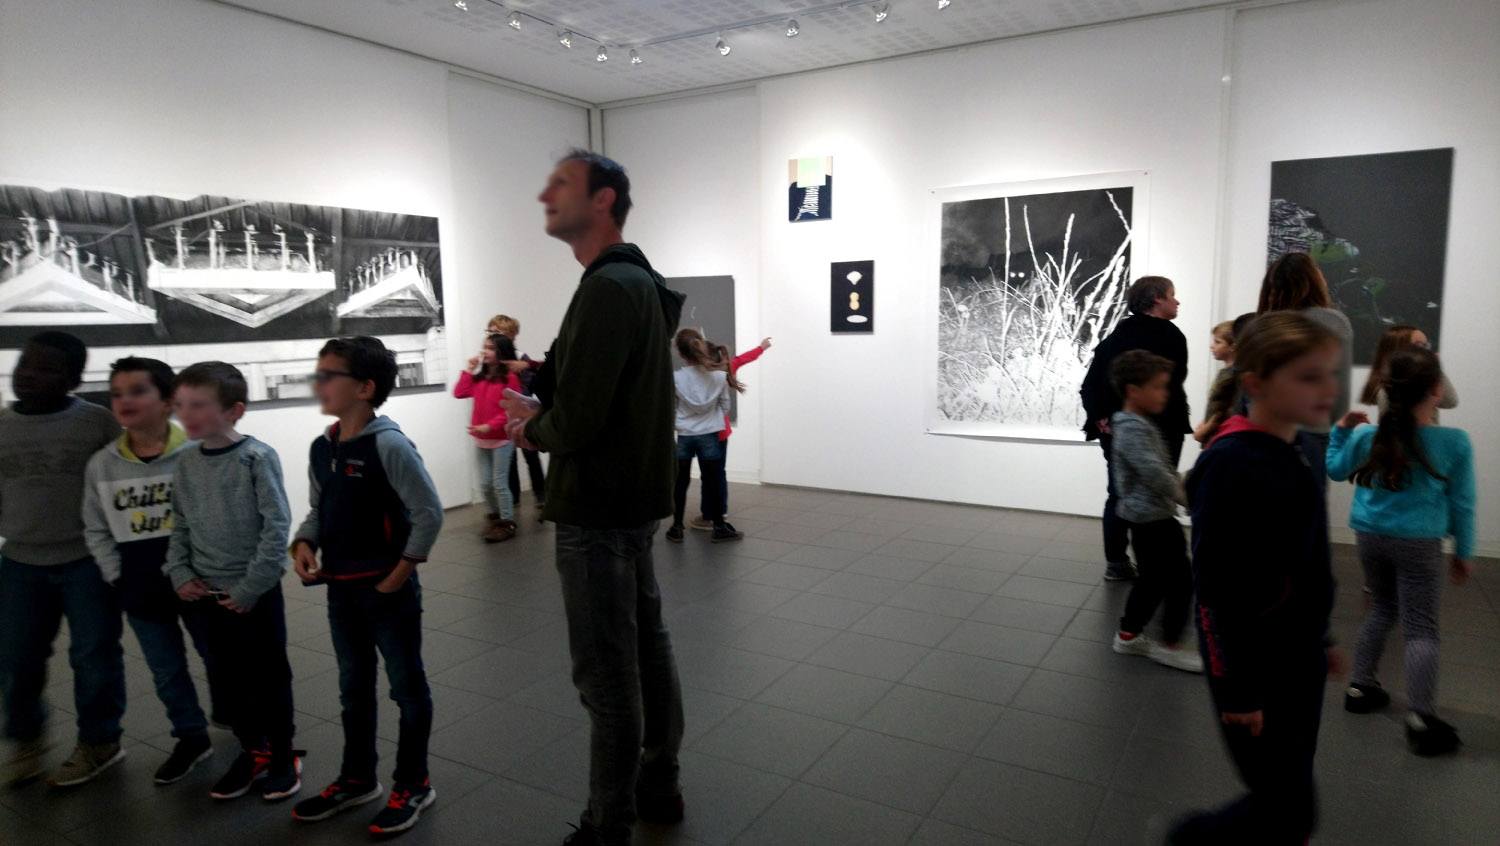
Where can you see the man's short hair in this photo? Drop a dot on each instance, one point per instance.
(73, 350)
(1136, 367)
(367, 359)
(1146, 291)
(604, 172)
(160, 372)
(226, 380)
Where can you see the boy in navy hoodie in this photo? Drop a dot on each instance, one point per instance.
(375, 514)
(1265, 583)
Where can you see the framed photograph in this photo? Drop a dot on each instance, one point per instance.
(1029, 278)
(851, 297)
(810, 189)
(1377, 226)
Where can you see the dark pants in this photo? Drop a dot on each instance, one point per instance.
(1117, 531)
(161, 641)
(33, 602)
(363, 621)
(1166, 579)
(533, 469)
(623, 669)
(709, 451)
(1281, 806)
(251, 669)
(723, 484)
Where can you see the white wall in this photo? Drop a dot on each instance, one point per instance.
(1345, 77)
(188, 97)
(695, 181)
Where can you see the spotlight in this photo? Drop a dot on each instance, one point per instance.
(792, 30)
(514, 22)
(601, 55)
(943, 4)
(882, 12)
(461, 5)
(635, 58)
(565, 38)
(723, 47)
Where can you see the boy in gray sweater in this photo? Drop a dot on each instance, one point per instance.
(226, 557)
(1146, 483)
(46, 573)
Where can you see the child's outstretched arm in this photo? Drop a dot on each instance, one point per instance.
(1346, 451)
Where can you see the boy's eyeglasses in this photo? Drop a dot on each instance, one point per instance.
(323, 377)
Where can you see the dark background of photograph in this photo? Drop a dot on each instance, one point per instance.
(1394, 208)
(973, 236)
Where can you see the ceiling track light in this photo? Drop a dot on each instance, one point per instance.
(602, 54)
(635, 58)
(461, 5)
(792, 30)
(723, 46)
(514, 21)
(943, 4)
(565, 38)
(882, 12)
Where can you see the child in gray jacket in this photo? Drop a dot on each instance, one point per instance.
(1148, 490)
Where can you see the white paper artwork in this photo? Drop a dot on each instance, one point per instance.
(1030, 277)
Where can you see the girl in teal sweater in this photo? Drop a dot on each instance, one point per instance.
(1415, 487)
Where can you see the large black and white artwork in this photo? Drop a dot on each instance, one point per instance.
(1030, 277)
(1377, 226)
(258, 284)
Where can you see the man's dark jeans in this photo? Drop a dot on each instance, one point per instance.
(33, 602)
(363, 620)
(623, 669)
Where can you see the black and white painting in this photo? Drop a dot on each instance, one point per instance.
(1030, 277)
(709, 308)
(258, 284)
(851, 297)
(1377, 225)
(809, 193)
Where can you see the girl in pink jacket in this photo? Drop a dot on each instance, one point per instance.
(485, 380)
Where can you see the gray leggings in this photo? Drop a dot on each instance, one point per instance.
(1405, 577)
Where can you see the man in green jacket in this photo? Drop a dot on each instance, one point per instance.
(608, 406)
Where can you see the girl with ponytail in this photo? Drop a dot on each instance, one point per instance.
(1414, 487)
(703, 387)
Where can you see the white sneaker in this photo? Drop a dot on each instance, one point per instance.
(1177, 657)
(1138, 645)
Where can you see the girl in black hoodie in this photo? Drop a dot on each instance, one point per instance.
(1264, 581)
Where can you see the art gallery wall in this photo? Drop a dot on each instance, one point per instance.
(693, 166)
(1347, 77)
(180, 96)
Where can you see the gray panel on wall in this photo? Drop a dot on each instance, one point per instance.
(710, 309)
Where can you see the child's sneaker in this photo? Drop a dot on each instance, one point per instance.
(283, 777)
(1119, 571)
(407, 803)
(87, 761)
(1129, 644)
(1177, 657)
(339, 796)
(188, 753)
(674, 534)
(702, 524)
(1365, 698)
(246, 770)
(1427, 735)
(26, 762)
(725, 532)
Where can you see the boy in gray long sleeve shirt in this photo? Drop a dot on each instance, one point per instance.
(1146, 483)
(226, 559)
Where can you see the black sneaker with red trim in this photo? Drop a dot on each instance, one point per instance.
(339, 796)
(407, 803)
(283, 776)
(247, 769)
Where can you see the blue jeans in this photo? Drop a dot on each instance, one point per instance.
(494, 479)
(166, 655)
(363, 621)
(709, 451)
(33, 602)
(623, 668)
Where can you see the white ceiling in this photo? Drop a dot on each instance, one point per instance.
(479, 39)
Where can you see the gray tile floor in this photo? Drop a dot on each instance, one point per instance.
(859, 670)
